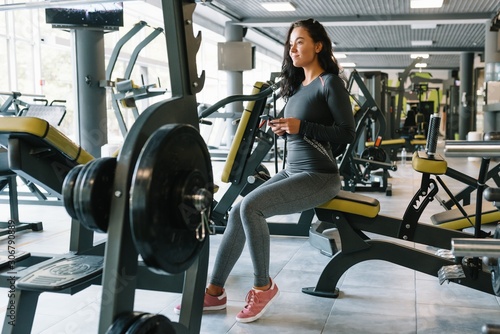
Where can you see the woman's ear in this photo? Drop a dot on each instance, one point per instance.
(319, 47)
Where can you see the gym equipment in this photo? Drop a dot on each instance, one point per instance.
(13, 105)
(489, 249)
(123, 272)
(53, 114)
(244, 160)
(36, 152)
(124, 91)
(357, 168)
(137, 322)
(243, 167)
(170, 202)
(458, 148)
(87, 193)
(354, 214)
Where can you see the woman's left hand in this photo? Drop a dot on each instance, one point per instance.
(289, 125)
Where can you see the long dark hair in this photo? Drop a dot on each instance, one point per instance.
(291, 76)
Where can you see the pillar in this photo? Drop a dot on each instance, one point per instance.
(89, 69)
(466, 94)
(491, 73)
(233, 33)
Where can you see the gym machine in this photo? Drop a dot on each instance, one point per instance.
(124, 91)
(13, 105)
(353, 215)
(357, 168)
(243, 168)
(487, 249)
(156, 197)
(53, 113)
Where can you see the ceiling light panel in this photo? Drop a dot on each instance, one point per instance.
(421, 43)
(423, 56)
(423, 25)
(426, 3)
(278, 6)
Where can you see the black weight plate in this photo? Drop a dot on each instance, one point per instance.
(374, 153)
(123, 322)
(93, 194)
(173, 163)
(68, 187)
(77, 191)
(96, 191)
(151, 324)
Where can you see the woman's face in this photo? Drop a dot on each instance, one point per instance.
(303, 50)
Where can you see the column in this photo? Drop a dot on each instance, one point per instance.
(233, 33)
(466, 94)
(89, 69)
(491, 73)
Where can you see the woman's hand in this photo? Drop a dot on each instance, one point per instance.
(281, 126)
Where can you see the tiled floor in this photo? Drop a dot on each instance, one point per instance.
(376, 297)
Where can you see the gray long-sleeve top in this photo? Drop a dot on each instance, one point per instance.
(325, 111)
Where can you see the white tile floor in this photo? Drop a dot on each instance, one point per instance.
(376, 297)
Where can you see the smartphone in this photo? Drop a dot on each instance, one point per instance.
(267, 117)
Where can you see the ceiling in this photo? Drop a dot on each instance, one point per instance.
(374, 34)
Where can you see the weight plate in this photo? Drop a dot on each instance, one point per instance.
(374, 153)
(151, 324)
(173, 169)
(68, 187)
(123, 322)
(77, 191)
(95, 190)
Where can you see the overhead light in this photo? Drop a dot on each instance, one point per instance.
(421, 65)
(340, 55)
(347, 64)
(426, 3)
(421, 43)
(423, 25)
(278, 6)
(423, 55)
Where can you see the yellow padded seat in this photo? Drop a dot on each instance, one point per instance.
(353, 203)
(40, 128)
(422, 163)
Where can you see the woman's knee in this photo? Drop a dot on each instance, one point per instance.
(249, 207)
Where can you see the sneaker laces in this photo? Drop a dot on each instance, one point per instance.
(251, 298)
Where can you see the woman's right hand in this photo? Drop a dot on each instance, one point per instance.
(276, 127)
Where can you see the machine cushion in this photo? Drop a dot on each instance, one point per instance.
(453, 219)
(418, 142)
(240, 131)
(37, 128)
(422, 163)
(353, 203)
(387, 142)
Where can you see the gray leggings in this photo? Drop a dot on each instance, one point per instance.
(284, 193)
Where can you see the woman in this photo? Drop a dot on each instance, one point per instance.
(318, 111)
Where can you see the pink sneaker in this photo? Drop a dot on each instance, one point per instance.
(257, 303)
(210, 303)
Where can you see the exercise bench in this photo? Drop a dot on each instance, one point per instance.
(37, 152)
(354, 215)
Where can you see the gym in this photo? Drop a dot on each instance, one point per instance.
(114, 114)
